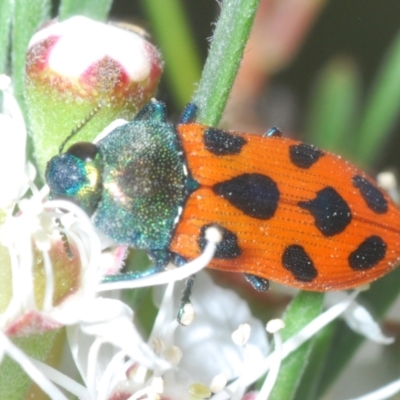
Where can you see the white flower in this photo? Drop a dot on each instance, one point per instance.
(100, 344)
(270, 362)
(12, 148)
(33, 241)
(183, 359)
(206, 345)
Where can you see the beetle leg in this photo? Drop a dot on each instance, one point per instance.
(273, 132)
(185, 299)
(154, 111)
(258, 283)
(178, 260)
(188, 114)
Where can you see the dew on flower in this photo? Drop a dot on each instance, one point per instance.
(187, 315)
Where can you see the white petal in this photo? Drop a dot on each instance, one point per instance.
(111, 321)
(360, 320)
(12, 153)
(206, 345)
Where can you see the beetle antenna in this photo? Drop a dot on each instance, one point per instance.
(79, 127)
(65, 241)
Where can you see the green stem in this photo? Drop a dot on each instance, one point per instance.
(302, 310)
(318, 360)
(173, 33)
(224, 58)
(382, 108)
(5, 25)
(334, 105)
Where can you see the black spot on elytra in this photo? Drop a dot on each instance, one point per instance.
(256, 195)
(304, 155)
(330, 211)
(368, 253)
(296, 260)
(227, 248)
(371, 194)
(223, 143)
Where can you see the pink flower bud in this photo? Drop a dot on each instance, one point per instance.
(78, 64)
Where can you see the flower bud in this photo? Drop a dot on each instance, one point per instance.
(77, 65)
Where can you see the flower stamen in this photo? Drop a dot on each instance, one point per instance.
(273, 327)
(61, 379)
(213, 237)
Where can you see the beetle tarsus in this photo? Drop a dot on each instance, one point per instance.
(178, 260)
(273, 132)
(258, 283)
(154, 111)
(185, 299)
(189, 114)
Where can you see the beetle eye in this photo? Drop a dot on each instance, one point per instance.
(85, 151)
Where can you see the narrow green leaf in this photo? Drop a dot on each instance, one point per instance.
(303, 309)
(5, 26)
(382, 109)
(224, 58)
(318, 360)
(28, 16)
(333, 106)
(174, 36)
(98, 9)
(345, 342)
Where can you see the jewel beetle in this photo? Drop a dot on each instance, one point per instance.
(288, 211)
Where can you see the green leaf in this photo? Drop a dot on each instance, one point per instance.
(14, 382)
(318, 360)
(98, 9)
(303, 309)
(5, 27)
(174, 36)
(28, 16)
(224, 58)
(333, 106)
(382, 108)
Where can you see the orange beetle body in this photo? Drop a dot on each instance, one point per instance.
(327, 226)
(287, 211)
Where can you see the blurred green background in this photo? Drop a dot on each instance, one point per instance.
(361, 30)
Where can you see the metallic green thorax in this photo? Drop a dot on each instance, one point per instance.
(144, 184)
(134, 182)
